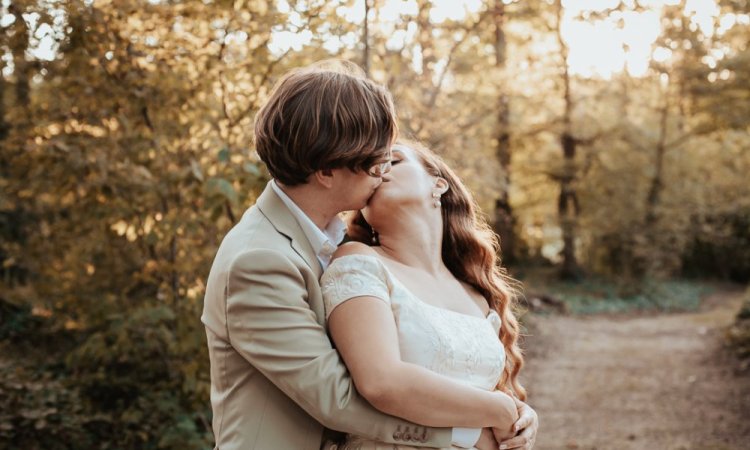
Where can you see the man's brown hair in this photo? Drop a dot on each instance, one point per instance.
(324, 116)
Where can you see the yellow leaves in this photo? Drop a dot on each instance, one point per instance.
(25, 193)
(607, 160)
(68, 199)
(148, 224)
(41, 311)
(90, 269)
(132, 231)
(113, 65)
(245, 16)
(54, 129)
(111, 124)
(196, 291)
(120, 227)
(71, 324)
(135, 22)
(70, 127)
(256, 40)
(260, 6)
(151, 266)
(123, 228)
(45, 229)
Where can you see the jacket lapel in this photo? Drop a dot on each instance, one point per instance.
(282, 219)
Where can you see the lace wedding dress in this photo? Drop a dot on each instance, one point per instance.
(460, 346)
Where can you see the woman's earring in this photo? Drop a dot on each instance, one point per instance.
(436, 200)
(374, 239)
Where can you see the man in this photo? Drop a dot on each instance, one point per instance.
(276, 381)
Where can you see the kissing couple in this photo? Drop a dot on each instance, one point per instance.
(401, 338)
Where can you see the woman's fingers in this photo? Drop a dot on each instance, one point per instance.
(523, 442)
(525, 439)
(522, 423)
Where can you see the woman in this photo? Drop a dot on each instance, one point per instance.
(432, 306)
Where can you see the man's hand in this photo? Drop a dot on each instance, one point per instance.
(527, 424)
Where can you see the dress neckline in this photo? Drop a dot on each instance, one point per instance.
(492, 315)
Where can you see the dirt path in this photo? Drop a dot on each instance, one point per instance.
(638, 382)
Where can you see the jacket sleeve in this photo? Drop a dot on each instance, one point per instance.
(270, 323)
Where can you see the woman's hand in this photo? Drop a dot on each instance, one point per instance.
(506, 417)
(526, 427)
(486, 440)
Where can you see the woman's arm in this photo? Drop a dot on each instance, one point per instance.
(365, 334)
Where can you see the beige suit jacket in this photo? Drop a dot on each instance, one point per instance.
(276, 380)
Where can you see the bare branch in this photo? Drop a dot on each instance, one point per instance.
(436, 90)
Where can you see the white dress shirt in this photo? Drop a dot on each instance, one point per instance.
(324, 243)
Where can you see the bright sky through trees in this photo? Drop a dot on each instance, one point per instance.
(597, 47)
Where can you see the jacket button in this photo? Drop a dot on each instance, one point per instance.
(397, 434)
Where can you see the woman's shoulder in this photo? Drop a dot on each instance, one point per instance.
(356, 258)
(354, 248)
(355, 271)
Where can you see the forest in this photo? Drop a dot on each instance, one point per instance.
(607, 142)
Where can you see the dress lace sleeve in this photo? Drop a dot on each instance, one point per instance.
(353, 276)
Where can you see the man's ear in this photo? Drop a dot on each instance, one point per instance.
(324, 177)
(441, 185)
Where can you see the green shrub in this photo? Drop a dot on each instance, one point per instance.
(605, 294)
(134, 383)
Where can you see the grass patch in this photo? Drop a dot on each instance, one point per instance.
(598, 294)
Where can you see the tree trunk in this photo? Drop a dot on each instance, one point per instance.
(657, 182)
(366, 40)
(568, 207)
(14, 221)
(425, 40)
(22, 67)
(504, 222)
(4, 125)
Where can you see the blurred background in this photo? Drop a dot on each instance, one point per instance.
(607, 141)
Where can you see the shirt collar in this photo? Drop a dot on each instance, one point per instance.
(324, 242)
